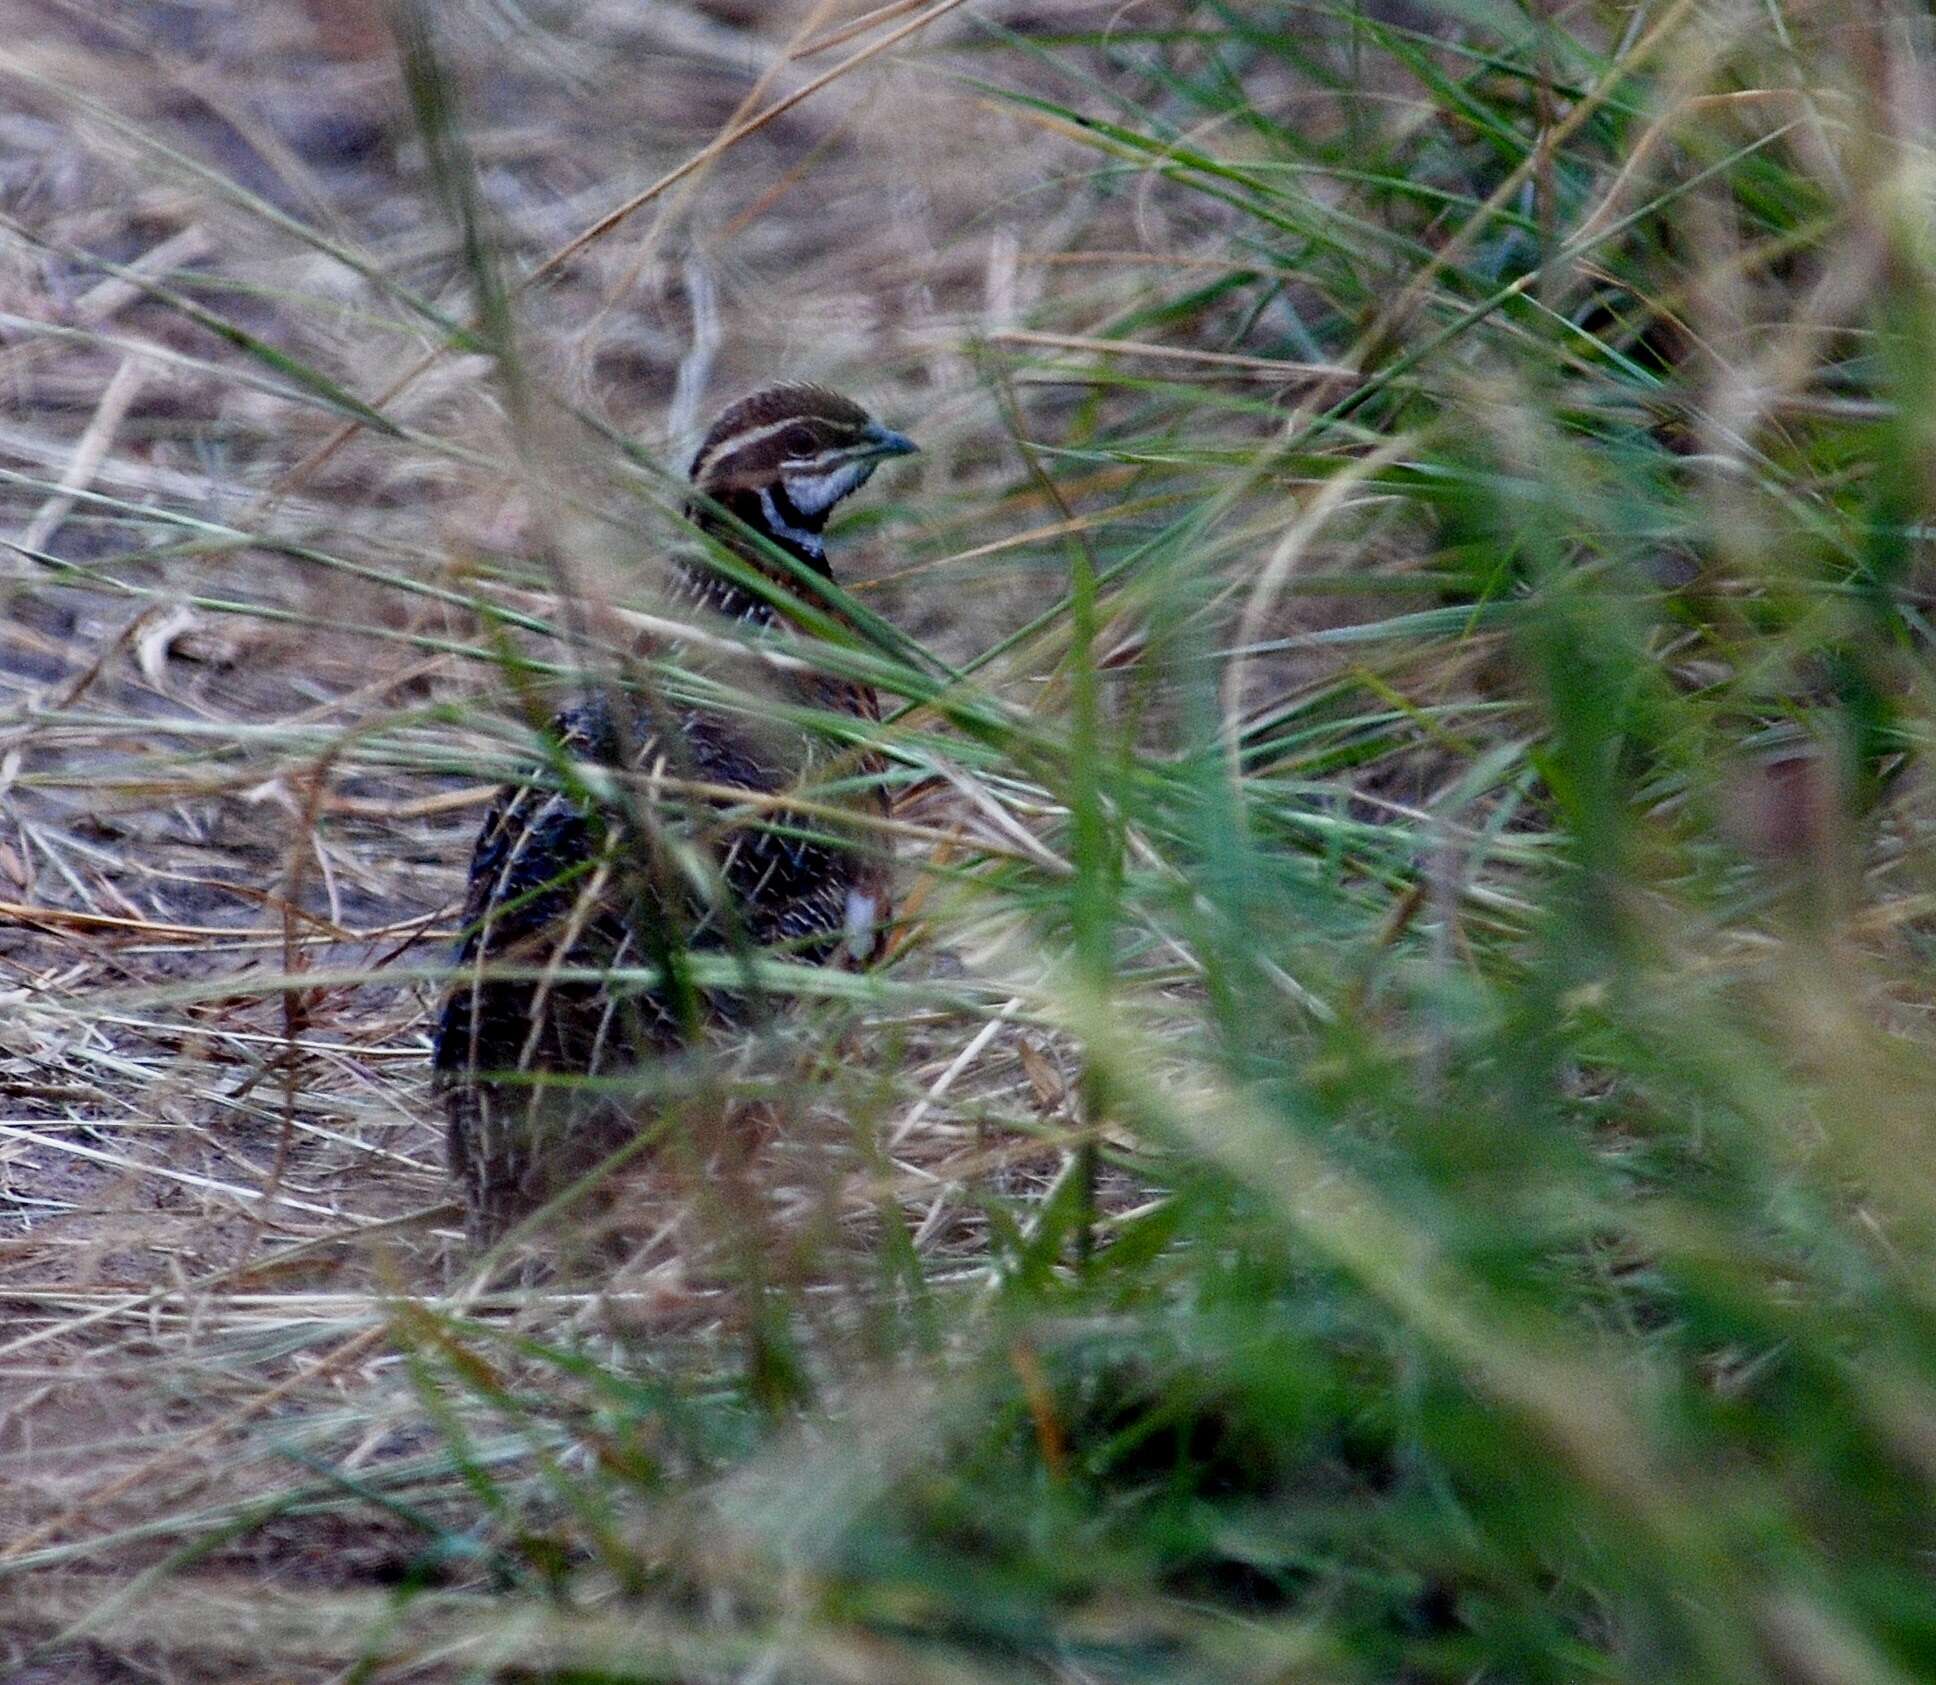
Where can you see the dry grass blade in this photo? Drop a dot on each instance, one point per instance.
(1176, 353)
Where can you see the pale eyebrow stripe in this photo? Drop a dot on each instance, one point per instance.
(734, 443)
(731, 447)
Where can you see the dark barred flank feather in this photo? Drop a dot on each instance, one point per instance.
(562, 885)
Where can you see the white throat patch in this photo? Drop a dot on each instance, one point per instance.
(815, 494)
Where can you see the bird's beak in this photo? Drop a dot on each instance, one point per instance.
(884, 441)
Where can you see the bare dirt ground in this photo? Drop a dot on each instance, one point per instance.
(197, 1175)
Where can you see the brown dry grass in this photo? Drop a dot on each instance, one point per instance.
(208, 1200)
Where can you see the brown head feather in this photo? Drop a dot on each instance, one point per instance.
(747, 444)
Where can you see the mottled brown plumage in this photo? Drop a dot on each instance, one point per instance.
(563, 882)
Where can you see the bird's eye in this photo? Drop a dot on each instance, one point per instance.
(799, 441)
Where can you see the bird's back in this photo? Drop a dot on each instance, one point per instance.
(568, 886)
(535, 1037)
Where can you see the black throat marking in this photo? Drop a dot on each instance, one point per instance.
(770, 513)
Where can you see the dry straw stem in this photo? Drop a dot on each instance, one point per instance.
(605, 224)
(1272, 367)
(239, 1623)
(94, 443)
(108, 298)
(40, 917)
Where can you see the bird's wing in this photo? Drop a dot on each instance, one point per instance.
(534, 857)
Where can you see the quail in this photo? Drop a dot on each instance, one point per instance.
(569, 883)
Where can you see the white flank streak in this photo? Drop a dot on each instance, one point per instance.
(861, 932)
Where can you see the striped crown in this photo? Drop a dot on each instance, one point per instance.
(780, 460)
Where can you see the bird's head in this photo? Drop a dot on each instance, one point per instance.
(783, 458)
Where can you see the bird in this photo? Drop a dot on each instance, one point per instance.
(567, 877)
